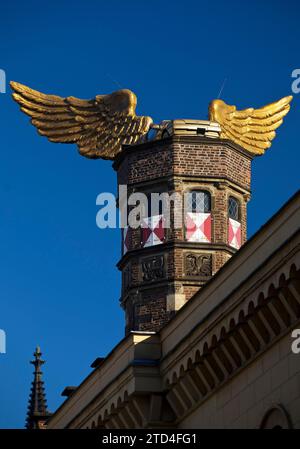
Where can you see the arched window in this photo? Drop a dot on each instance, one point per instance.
(276, 418)
(198, 216)
(234, 223)
(198, 201)
(234, 208)
(152, 226)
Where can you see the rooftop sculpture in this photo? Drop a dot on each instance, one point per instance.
(101, 126)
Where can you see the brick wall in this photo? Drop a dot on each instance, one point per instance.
(212, 160)
(156, 160)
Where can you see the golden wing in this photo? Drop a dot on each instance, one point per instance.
(99, 126)
(252, 129)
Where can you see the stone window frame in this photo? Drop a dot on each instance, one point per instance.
(239, 197)
(205, 192)
(239, 212)
(201, 188)
(147, 189)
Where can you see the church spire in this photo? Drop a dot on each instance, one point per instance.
(37, 414)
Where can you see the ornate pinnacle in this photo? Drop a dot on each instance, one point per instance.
(37, 407)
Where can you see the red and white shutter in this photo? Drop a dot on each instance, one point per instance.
(234, 233)
(153, 231)
(198, 227)
(126, 239)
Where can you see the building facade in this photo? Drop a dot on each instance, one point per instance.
(209, 316)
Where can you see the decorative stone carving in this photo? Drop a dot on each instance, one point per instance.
(153, 268)
(198, 264)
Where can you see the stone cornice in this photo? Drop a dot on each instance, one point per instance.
(219, 182)
(170, 245)
(136, 345)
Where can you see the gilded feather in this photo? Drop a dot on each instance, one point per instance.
(99, 126)
(252, 129)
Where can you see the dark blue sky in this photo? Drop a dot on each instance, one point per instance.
(59, 284)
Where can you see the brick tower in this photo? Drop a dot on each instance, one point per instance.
(163, 267)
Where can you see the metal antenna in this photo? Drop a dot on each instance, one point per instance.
(113, 80)
(222, 87)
